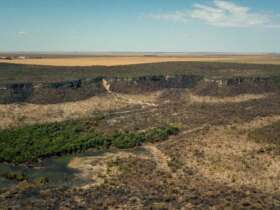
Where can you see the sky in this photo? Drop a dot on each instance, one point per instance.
(140, 25)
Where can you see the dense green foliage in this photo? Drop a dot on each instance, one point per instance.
(128, 140)
(39, 141)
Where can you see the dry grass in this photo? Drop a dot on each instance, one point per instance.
(18, 114)
(223, 154)
(234, 99)
(13, 115)
(97, 169)
(226, 155)
(94, 169)
(126, 60)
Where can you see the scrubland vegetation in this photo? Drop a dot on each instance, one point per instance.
(226, 155)
(269, 134)
(16, 73)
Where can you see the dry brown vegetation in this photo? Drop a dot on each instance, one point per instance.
(127, 60)
(14, 115)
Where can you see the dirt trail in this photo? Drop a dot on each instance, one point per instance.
(195, 129)
(159, 157)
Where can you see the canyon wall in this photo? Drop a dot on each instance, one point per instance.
(84, 88)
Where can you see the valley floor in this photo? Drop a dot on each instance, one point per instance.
(219, 160)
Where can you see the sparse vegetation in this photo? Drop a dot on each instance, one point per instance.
(18, 73)
(276, 81)
(269, 134)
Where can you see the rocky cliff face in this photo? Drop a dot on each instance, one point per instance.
(84, 88)
(152, 83)
(15, 92)
(239, 81)
(235, 86)
(51, 92)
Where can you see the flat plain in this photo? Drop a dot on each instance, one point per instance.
(115, 60)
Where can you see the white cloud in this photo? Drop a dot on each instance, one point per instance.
(223, 14)
(176, 16)
(21, 33)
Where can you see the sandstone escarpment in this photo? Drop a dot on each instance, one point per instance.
(80, 89)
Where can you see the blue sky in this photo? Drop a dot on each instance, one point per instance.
(140, 25)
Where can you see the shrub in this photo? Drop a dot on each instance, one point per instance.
(40, 141)
(18, 176)
(41, 180)
(127, 140)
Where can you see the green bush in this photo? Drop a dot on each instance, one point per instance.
(161, 133)
(127, 140)
(41, 180)
(40, 141)
(17, 176)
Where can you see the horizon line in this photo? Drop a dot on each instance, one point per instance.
(42, 52)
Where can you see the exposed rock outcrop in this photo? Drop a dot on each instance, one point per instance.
(84, 88)
(235, 86)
